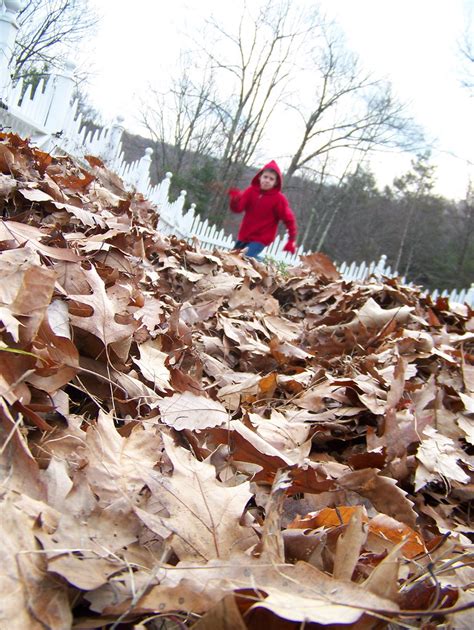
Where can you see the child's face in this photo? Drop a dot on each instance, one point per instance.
(268, 180)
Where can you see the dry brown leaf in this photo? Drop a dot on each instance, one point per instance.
(31, 598)
(120, 596)
(371, 315)
(467, 425)
(320, 264)
(152, 364)
(282, 328)
(468, 376)
(7, 185)
(253, 299)
(188, 411)
(464, 619)
(33, 194)
(383, 580)
(204, 514)
(86, 217)
(335, 381)
(397, 385)
(117, 466)
(349, 546)
(291, 438)
(136, 390)
(397, 532)
(273, 549)
(298, 592)
(87, 550)
(58, 360)
(28, 235)
(327, 517)
(383, 492)
(214, 287)
(19, 470)
(438, 456)
(225, 615)
(102, 322)
(468, 402)
(26, 291)
(382, 528)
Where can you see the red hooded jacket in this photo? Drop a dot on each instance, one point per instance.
(264, 209)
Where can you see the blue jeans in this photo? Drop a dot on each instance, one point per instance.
(253, 248)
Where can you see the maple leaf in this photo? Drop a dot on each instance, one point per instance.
(204, 514)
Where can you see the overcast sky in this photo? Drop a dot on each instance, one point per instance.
(413, 43)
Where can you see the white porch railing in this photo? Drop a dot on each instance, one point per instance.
(48, 118)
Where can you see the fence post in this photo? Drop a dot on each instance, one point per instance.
(380, 268)
(9, 9)
(469, 299)
(60, 105)
(112, 148)
(143, 175)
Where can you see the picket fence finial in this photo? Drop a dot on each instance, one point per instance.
(69, 68)
(13, 6)
(8, 30)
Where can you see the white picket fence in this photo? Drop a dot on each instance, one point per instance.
(363, 271)
(47, 117)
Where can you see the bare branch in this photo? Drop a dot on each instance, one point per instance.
(47, 29)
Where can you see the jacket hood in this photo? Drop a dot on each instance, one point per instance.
(274, 167)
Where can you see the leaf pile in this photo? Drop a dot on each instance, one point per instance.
(196, 440)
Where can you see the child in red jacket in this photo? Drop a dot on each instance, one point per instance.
(264, 206)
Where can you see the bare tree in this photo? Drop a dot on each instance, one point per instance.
(182, 119)
(466, 49)
(48, 28)
(347, 110)
(256, 60)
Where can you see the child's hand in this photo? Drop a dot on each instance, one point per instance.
(233, 192)
(290, 247)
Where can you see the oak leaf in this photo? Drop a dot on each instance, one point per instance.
(438, 457)
(152, 364)
(102, 322)
(204, 514)
(297, 592)
(31, 598)
(118, 466)
(188, 411)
